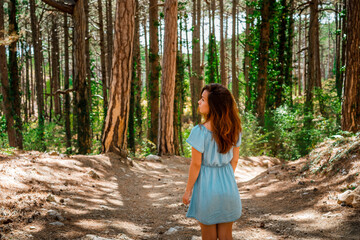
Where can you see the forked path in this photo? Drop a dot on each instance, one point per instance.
(59, 197)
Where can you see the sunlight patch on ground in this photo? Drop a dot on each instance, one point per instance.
(116, 202)
(129, 226)
(155, 195)
(91, 224)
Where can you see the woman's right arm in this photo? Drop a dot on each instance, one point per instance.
(194, 170)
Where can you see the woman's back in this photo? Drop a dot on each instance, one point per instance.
(202, 140)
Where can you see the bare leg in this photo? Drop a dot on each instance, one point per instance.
(208, 232)
(225, 231)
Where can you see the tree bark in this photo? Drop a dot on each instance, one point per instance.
(154, 70)
(282, 48)
(299, 56)
(351, 101)
(87, 51)
(166, 123)
(247, 58)
(83, 117)
(103, 58)
(196, 70)
(67, 85)
(55, 64)
(135, 96)
(222, 47)
(266, 10)
(14, 79)
(314, 76)
(235, 80)
(114, 136)
(110, 39)
(5, 86)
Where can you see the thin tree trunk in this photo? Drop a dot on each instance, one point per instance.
(299, 57)
(222, 46)
(87, 51)
(337, 53)
(55, 65)
(247, 58)
(83, 116)
(154, 70)
(114, 136)
(314, 78)
(235, 81)
(67, 86)
(103, 58)
(147, 72)
(14, 80)
(134, 118)
(166, 123)
(196, 70)
(110, 39)
(289, 52)
(5, 85)
(266, 10)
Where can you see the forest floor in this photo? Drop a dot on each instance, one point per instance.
(45, 196)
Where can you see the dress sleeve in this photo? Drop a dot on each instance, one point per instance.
(239, 140)
(196, 139)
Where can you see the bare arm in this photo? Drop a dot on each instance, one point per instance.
(194, 170)
(235, 158)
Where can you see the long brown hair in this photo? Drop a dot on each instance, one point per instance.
(224, 116)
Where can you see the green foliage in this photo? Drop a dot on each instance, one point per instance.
(212, 73)
(4, 143)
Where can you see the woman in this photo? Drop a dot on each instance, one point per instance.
(215, 200)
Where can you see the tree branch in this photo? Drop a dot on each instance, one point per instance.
(328, 9)
(60, 6)
(67, 91)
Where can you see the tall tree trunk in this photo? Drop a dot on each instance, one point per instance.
(166, 123)
(87, 51)
(110, 39)
(154, 70)
(266, 10)
(114, 136)
(27, 80)
(83, 116)
(138, 83)
(235, 80)
(55, 64)
(50, 78)
(134, 118)
(282, 42)
(289, 52)
(337, 52)
(5, 86)
(196, 80)
(247, 58)
(103, 58)
(343, 47)
(147, 72)
(305, 72)
(314, 77)
(14, 79)
(67, 85)
(222, 47)
(350, 107)
(299, 56)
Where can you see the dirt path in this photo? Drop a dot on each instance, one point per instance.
(102, 196)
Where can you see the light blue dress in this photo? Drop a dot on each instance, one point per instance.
(215, 198)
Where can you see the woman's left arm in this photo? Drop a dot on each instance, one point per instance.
(235, 158)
